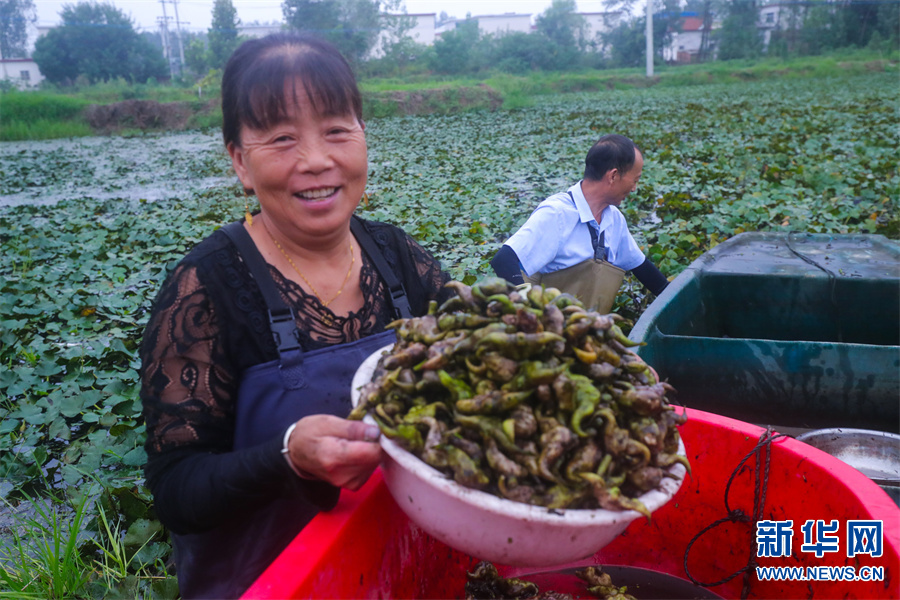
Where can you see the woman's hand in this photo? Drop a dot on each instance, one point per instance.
(343, 453)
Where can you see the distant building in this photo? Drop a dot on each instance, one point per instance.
(493, 24)
(685, 45)
(777, 17)
(258, 30)
(503, 24)
(421, 31)
(599, 24)
(21, 72)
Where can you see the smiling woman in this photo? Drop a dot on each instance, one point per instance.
(249, 353)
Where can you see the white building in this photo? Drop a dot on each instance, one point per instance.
(493, 24)
(21, 72)
(259, 30)
(420, 30)
(24, 72)
(685, 45)
(597, 24)
(779, 17)
(503, 24)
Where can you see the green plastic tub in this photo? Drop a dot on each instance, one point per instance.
(792, 330)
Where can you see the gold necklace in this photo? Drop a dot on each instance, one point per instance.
(308, 282)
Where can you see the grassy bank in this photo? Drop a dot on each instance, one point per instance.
(58, 114)
(41, 115)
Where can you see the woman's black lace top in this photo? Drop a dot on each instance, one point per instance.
(209, 323)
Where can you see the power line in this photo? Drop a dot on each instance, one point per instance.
(178, 29)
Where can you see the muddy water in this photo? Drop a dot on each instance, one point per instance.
(148, 167)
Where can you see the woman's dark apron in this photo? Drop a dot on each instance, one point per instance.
(224, 562)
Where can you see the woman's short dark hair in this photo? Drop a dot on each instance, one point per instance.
(258, 75)
(612, 151)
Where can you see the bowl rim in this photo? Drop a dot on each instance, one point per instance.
(504, 507)
(840, 433)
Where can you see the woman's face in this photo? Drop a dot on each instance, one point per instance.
(309, 171)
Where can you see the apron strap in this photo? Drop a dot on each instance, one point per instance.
(598, 240)
(399, 301)
(281, 317)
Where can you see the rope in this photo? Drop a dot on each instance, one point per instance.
(832, 280)
(760, 488)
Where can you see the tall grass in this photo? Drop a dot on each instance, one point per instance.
(30, 106)
(43, 560)
(60, 553)
(116, 90)
(40, 115)
(42, 129)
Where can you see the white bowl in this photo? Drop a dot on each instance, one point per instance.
(491, 528)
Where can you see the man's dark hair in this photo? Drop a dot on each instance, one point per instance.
(259, 77)
(612, 151)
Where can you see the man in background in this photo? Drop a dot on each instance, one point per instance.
(578, 240)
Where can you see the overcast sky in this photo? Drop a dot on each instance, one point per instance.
(196, 15)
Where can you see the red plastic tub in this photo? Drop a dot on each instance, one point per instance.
(367, 548)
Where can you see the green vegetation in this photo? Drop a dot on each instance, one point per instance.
(15, 17)
(55, 553)
(345, 23)
(54, 114)
(97, 42)
(223, 34)
(775, 153)
(39, 115)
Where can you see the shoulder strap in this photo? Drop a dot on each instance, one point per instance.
(399, 301)
(281, 317)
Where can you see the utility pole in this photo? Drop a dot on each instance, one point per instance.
(649, 38)
(165, 36)
(178, 29)
(704, 36)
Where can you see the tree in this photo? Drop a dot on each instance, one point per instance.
(519, 53)
(223, 34)
(398, 50)
(627, 42)
(351, 25)
(452, 52)
(196, 56)
(563, 30)
(99, 42)
(15, 15)
(739, 36)
(562, 25)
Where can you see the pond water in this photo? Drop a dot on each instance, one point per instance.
(131, 169)
(147, 167)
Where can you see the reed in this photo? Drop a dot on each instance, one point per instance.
(39, 115)
(68, 550)
(43, 560)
